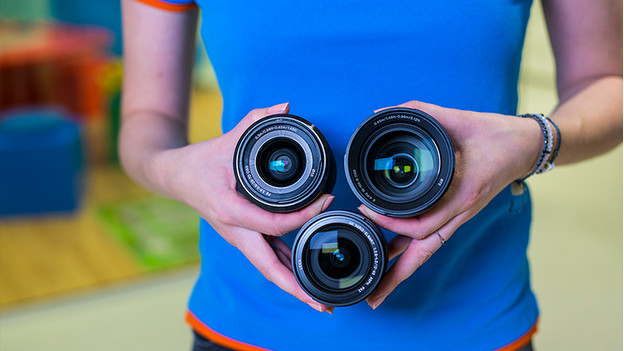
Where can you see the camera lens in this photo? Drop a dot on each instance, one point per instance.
(399, 162)
(339, 258)
(282, 163)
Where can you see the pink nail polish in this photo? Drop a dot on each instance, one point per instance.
(378, 301)
(278, 108)
(327, 202)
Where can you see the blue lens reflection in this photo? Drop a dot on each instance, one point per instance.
(339, 256)
(279, 165)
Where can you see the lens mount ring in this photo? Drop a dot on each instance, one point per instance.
(376, 250)
(409, 122)
(317, 177)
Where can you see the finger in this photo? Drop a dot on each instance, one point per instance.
(397, 245)
(416, 253)
(279, 244)
(454, 121)
(261, 255)
(255, 115)
(414, 227)
(384, 108)
(426, 107)
(240, 212)
(284, 259)
(414, 104)
(282, 250)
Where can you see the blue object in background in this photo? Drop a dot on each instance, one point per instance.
(41, 163)
(105, 13)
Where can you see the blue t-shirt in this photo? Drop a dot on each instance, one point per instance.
(336, 62)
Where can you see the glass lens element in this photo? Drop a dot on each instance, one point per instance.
(281, 162)
(403, 164)
(401, 170)
(339, 257)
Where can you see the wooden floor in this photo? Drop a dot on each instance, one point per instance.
(47, 256)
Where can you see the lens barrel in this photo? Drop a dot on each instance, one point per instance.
(399, 162)
(339, 258)
(282, 163)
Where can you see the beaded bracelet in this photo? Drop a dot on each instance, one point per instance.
(544, 164)
(558, 140)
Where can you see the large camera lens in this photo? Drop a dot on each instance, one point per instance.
(399, 162)
(282, 163)
(339, 258)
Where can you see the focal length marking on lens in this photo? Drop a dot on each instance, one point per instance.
(359, 184)
(382, 120)
(276, 127)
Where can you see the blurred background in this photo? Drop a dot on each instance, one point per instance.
(90, 261)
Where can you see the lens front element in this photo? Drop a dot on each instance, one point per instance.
(400, 170)
(281, 162)
(339, 257)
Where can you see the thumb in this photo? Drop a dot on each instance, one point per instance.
(257, 114)
(425, 107)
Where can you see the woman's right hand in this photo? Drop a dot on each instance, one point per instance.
(201, 176)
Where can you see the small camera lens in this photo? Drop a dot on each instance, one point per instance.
(399, 162)
(339, 257)
(282, 163)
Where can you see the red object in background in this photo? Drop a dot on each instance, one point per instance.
(52, 64)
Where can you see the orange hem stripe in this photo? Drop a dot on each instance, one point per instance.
(523, 340)
(169, 7)
(217, 338)
(223, 340)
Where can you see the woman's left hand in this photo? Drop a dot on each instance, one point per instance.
(491, 151)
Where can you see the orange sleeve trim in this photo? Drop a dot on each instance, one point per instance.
(523, 340)
(217, 338)
(168, 6)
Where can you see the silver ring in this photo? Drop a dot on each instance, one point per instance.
(441, 238)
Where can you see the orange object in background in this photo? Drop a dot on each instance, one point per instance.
(53, 64)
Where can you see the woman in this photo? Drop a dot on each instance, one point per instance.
(335, 63)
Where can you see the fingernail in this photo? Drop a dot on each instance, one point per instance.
(330, 310)
(327, 202)
(365, 210)
(377, 301)
(278, 108)
(317, 307)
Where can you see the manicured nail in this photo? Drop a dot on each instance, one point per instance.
(327, 202)
(281, 108)
(317, 307)
(365, 211)
(377, 301)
